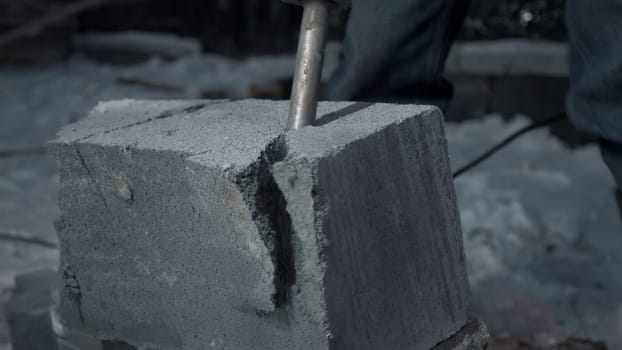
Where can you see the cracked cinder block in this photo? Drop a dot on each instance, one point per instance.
(194, 225)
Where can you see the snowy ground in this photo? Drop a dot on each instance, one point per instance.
(542, 236)
(541, 227)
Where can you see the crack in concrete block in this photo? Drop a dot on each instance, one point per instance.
(96, 184)
(271, 217)
(166, 114)
(111, 116)
(71, 290)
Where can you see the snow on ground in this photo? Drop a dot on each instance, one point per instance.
(542, 235)
(541, 227)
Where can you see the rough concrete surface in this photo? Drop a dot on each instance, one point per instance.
(205, 225)
(374, 188)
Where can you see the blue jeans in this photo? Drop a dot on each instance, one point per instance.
(395, 51)
(594, 102)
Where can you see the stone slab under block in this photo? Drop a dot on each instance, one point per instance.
(28, 311)
(205, 224)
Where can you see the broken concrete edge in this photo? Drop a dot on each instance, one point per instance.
(276, 158)
(310, 262)
(270, 209)
(473, 336)
(266, 206)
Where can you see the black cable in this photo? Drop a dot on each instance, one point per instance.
(475, 162)
(30, 240)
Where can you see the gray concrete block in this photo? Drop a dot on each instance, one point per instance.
(373, 209)
(212, 227)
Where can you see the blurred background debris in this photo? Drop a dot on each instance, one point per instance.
(235, 28)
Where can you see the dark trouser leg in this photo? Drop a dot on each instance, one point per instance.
(395, 50)
(612, 155)
(594, 102)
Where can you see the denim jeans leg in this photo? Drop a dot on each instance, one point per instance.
(612, 155)
(594, 102)
(395, 50)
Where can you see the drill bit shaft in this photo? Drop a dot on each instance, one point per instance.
(309, 61)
